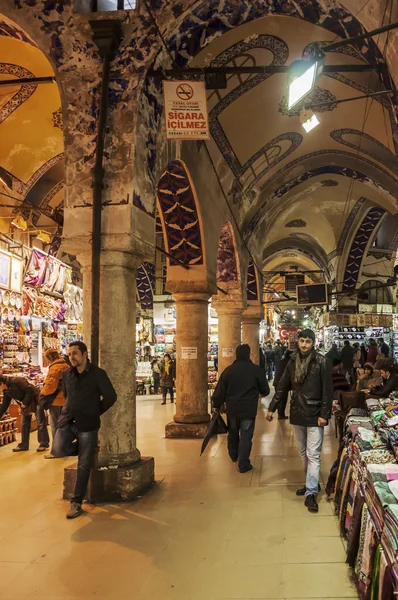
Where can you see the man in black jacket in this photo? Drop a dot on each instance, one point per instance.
(89, 393)
(390, 380)
(309, 376)
(239, 387)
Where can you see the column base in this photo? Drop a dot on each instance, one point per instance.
(118, 484)
(186, 430)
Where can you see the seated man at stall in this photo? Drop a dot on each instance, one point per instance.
(369, 380)
(390, 380)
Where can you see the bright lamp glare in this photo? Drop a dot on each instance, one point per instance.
(311, 123)
(302, 85)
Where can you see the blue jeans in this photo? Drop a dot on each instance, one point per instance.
(42, 431)
(64, 445)
(26, 421)
(240, 435)
(309, 443)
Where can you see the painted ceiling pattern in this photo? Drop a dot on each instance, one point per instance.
(35, 167)
(178, 208)
(252, 286)
(146, 284)
(358, 247)
(227, 266)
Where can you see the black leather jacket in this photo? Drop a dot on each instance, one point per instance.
(311, 399)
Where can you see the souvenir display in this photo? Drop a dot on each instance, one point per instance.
(365, 482)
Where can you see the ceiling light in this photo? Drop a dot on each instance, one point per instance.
(44, 237)
(311, 123)
(302, 77)
(19, 222)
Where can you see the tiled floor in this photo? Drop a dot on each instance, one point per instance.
(204, 532)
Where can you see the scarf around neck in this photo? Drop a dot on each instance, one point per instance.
(167, 366)
(302, 364)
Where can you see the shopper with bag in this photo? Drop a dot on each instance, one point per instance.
(239, 387)
(52, 396)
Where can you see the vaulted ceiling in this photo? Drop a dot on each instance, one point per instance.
(31, 133)
(292, 190)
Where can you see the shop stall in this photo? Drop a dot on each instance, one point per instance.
(366, 496)
(39, 309)
(356, 328)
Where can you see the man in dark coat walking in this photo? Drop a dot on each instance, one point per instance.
(239, 387)
(309, 376)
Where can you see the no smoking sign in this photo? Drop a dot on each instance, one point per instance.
(184, 91)
(186, 110)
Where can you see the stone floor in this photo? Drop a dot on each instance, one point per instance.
(204, 532)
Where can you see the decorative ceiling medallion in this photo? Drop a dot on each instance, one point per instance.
(315, 100)
(57, 119)
(296, 223)
(329, 183)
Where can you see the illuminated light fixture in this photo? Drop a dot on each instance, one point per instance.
(20, 223)
(308, 120)
(301, 80)
(44, 237)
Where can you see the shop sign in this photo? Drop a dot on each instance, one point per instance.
(227, 352)
(186, 110)
(189, 353)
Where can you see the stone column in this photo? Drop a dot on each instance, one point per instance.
(192, 416)
(229, 333)
(117, 340)
(123, 473)
(85, 262)
(251, 336)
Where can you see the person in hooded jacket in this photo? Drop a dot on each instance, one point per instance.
(239, 387)
(308, 376)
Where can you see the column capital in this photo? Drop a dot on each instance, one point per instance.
(192, 296)
(111, 258)
(252, 314)
(228, 308)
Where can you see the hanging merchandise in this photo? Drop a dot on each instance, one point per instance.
(35, 271)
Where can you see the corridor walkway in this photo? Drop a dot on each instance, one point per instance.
(204, 532)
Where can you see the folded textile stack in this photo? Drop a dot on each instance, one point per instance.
(389, 538)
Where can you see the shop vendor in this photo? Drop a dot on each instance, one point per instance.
(390, 381)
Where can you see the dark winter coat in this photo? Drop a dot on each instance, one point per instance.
(281, 367)
(311, 399)
(347, 357)
(239, 387)
(390, 385)
(88, 395)
(279, 351)
(23, 392)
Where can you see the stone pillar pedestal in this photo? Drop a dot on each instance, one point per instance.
(251, 336)
(192, 416)
(229, 333)
(122, 473)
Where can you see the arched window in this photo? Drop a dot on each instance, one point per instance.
(374, 292)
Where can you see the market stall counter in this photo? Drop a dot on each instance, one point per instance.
(366, 496)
